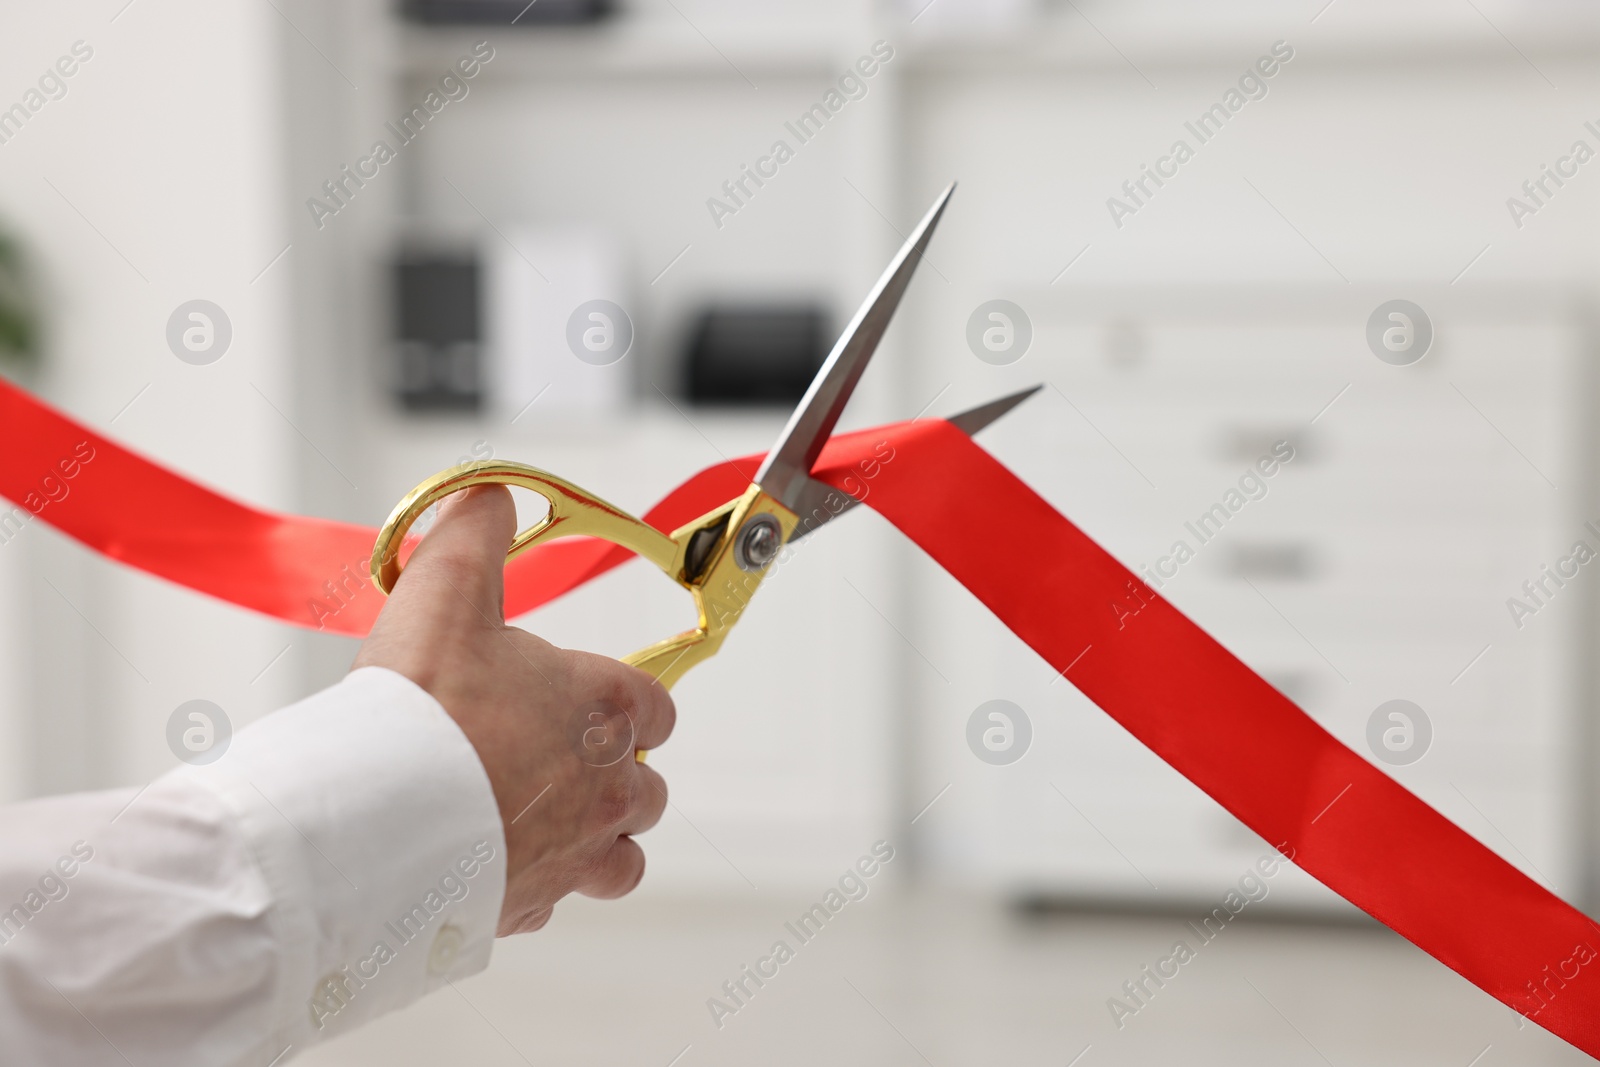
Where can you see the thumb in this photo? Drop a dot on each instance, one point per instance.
(460, 566)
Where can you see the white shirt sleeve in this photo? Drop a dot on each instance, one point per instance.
(342, 858)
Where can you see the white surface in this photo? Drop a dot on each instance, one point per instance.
(948, 981)
(152, 182)
(15, 732)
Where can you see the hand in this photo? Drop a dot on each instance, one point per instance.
(543, 719)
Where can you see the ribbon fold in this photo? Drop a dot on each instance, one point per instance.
(1155, 672)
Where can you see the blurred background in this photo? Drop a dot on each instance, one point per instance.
(561, 258)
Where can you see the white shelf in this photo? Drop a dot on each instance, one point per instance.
(658, 41)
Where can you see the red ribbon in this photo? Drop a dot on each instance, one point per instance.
(1158, 674)
(306, 571)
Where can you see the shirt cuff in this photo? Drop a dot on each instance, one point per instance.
(376, 829)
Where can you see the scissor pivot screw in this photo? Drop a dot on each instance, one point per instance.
(758, 543)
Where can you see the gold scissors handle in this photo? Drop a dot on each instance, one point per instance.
(720, 571)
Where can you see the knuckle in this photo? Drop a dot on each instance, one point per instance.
(654, 787)
(666, 707)
(623, 688)
(613, 801)
(533, 647)
(619, 870)
(590, 868)
(635, 873)
(601, 678)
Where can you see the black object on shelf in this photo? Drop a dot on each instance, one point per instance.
(437, 336)
(505, 12)
(752, 355)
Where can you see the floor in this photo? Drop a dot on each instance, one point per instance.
(947, 982)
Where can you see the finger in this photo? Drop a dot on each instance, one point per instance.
(660, 713)
(515, 920)
(460, 565)
(649, 799)
(618, 871)
(648, 705)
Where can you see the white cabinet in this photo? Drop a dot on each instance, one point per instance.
(1376, 566)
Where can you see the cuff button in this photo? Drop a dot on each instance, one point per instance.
(446, 947)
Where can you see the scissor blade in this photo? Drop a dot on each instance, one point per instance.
(972, 420)
(831, 502)
(786, 472)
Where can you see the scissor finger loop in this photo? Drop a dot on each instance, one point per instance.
(573, 511)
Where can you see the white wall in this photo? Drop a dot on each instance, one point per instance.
(152, 182)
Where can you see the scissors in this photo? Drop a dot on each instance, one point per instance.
(721, 557)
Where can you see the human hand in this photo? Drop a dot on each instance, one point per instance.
(532, 711)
